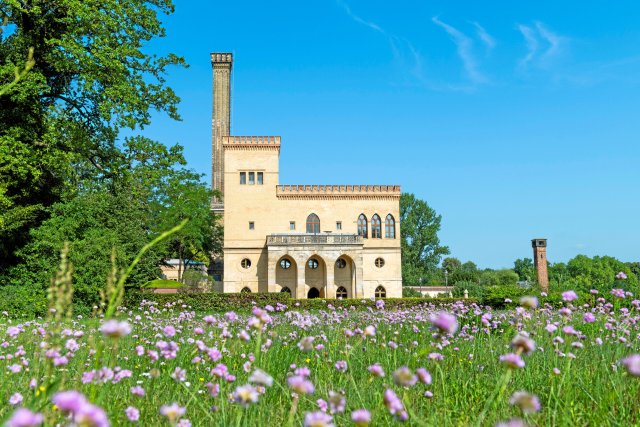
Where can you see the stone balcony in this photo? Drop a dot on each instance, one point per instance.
(302, 239)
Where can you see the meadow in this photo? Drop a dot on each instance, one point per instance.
(457, 364)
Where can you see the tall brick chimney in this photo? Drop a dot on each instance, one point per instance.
(540, 262)
(221, 118)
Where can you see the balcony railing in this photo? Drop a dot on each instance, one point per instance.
(314, 239)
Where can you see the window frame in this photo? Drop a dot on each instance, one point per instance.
(342, 289)
(389, 225)
(252, 225)
(245, 263)
(284, 262)
(363, 225)
(243, 178)
(252, 178)
(260, 178)
(380, 292)
(376, 227)
(313, 224)
(292, 225)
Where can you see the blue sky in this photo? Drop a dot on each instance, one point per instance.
(512, 119)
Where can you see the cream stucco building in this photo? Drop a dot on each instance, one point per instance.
(326, 241)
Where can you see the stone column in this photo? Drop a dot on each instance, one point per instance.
(330, 287)
(301, 285)
(271, 271)
(359, 282)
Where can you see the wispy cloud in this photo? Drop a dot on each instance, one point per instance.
(532, 44)
(464, 48)
(536, 36)
(554, 40)
(485, 37)
(404, 52)
(359, 20)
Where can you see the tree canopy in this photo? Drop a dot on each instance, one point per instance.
(88, 77)
(421, 249)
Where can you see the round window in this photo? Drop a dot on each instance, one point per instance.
(341, 263)
(245, 263)
(285, 264)
(379, 262)
(313, 264)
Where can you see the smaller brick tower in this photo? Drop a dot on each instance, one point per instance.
(540, 262)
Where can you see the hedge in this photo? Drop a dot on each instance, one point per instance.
(217, 302)
(162, 283)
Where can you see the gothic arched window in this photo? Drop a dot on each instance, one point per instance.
(376, 227)
(313, 224)
(390, 227)
(362, 226)
(245, 290)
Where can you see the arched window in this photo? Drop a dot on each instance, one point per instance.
(376, 227)
(390, 227)
(341, 292)
(362, 226)
(313, 224)
(313, 293)
(245, 290)
(286, 289)
(381, 292)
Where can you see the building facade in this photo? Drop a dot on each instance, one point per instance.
(328, 241)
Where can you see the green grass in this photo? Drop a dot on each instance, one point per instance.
(591, 389)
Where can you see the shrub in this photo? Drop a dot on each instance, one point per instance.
(475, 290)
(497, 296)
(216, 302)
(408, 292)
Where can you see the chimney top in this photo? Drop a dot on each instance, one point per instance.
(221, 58)
(539, 243)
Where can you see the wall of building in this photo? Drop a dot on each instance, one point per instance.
(271, 210)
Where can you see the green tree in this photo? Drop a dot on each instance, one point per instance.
(525, 269)
(150, 194)
(88, 78)
(421, 249)
(468, 273)
(451, 264)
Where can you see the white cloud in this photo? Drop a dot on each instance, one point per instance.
(534, 38)
(532, 44)
(464, 47)
(485, 37)
(359, 20)
(551, 38)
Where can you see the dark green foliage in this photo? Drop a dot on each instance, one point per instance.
(474, 289)
(497, 296)
(59, 125)
(408, 292)
(421, 250)
(498, 278)
(95, 224)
